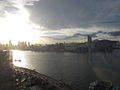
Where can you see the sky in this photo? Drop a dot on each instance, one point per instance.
(50, 21)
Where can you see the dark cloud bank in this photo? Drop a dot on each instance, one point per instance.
(59, 14)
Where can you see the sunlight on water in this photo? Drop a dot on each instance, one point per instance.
(19, 58)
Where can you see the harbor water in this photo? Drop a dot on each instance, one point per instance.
(72, 68)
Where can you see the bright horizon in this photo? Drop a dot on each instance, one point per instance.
(17, 27)
(40, 21)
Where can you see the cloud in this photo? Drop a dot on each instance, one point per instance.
(10, 6)
(60, 14)
(54, 37)
(81, 33)
(23, 2)
(70, 19)
(116, 33)
(95, 34)
(53, 33)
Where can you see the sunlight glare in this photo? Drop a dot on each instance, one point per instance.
(18, 58)
(17, 27)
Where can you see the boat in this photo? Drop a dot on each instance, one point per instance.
(19, 78)
(19, 60)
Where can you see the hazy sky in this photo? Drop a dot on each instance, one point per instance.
(69, 20)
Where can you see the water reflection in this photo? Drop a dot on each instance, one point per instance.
(19, 58)
(70, 67)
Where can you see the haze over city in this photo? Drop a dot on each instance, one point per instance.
(59, 44)
(51, 21)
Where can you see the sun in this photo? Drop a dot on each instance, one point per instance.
(17, 27)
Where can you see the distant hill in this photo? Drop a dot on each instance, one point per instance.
(104, 45)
